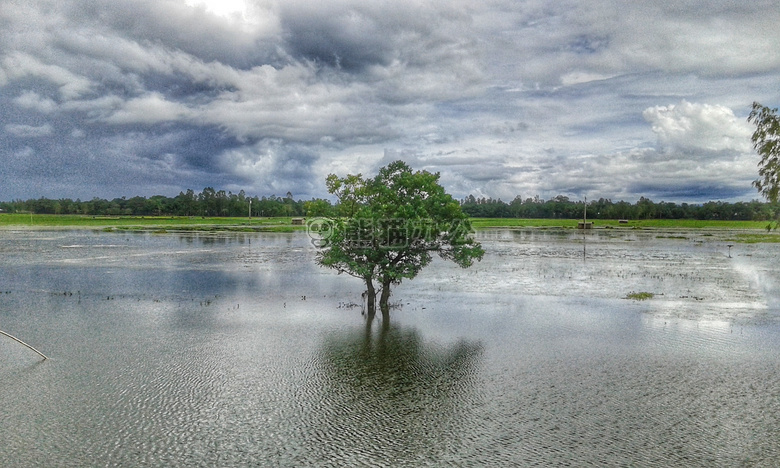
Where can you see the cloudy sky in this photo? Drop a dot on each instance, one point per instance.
(596, 98)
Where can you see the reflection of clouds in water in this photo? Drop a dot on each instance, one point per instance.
(714, 327)
(760, 278)
(388, 397)
(689, 272)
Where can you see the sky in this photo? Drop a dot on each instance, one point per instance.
(504, 98)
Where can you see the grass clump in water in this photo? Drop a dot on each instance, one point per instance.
(640, 296)
(751, 238)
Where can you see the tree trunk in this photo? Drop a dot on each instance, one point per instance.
(383, 300)
(370, 300)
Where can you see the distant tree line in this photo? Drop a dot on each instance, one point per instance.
(564, 208)
(212, 202)
(209, 202)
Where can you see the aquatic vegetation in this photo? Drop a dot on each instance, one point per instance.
(640, 296)
(750, 238)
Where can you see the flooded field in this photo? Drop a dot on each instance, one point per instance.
(236, 350)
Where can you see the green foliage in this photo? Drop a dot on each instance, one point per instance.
(391, 225)
(350, 191)
(318, 207)
(208, 203)
(563, 208)
(640, 296)
(766, 141)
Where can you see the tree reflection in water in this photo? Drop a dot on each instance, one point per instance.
(386, 396)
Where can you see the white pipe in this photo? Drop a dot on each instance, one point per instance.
(23, 343)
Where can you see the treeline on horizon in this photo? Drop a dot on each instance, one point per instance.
(561, 207)
(210, 202)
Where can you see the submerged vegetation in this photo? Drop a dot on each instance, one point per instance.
(640, 296)
(751, 238)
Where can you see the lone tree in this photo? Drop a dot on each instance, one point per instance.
(766, 141)
(389, 226)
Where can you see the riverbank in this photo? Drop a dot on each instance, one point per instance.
(146, 223)
(744, 231)
(479, 223)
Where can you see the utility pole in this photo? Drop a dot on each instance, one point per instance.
(250, 211)
(585, 212)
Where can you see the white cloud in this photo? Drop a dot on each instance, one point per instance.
(149, 109)
(29, 131)
(220, 7)
(272, 167)
(539, 42)
(129, 56)
(694, 127)
(293, 103)
(713, 39)
(32, 100)
(98, 108)
(71, 85)
(579, 77)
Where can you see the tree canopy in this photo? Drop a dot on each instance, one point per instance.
(560, 207)
(766, 141)
(209, 202)
(390, 225)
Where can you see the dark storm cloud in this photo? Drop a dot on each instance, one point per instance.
(356, 35)
(659, 191)
(346, 40)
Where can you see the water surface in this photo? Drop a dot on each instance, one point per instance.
(235, 350)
